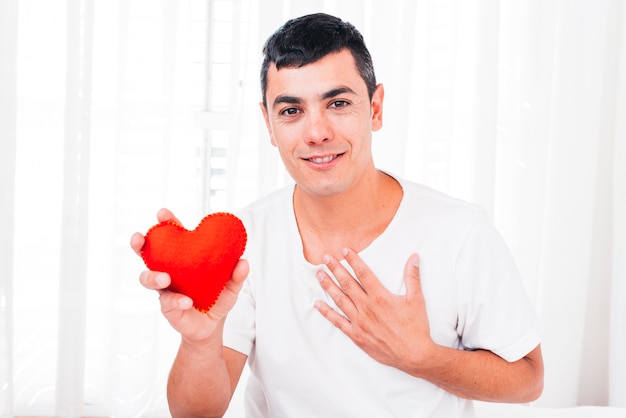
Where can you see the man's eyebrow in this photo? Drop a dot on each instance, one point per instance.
(286, 99)
(281, 99)
(336, 92)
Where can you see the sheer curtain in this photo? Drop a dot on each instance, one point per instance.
(110, 110)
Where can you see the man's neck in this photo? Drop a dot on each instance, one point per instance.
(352, 219)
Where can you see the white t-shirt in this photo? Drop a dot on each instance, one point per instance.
(302, 366)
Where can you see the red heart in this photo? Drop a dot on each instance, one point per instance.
(199, 262)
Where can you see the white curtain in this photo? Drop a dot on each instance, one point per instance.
(111, 109)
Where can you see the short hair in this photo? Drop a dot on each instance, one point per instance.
(309, 38)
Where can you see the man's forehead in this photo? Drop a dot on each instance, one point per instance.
(333, 72)
(343, 54)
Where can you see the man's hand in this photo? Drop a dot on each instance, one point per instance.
(177, 308)
(392, 329)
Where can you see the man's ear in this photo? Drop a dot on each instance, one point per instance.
(377, 107)
(266, 117)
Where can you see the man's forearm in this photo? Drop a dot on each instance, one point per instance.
(482, 375)
(199, 381)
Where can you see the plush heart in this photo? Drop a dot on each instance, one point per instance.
(199, 262)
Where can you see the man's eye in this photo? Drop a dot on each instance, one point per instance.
(339, 103)
(289, 111)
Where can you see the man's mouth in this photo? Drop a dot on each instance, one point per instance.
(321, 160)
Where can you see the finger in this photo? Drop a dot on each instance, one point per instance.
(341, 299)
(334, 318)
(136, 242)
(165, 215)
(368, 281)
(171, 302)
(154, 280)
(179, 311)
(348, 283)
(412, 277)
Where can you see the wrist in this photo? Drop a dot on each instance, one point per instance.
(428, 361)
(209, 338)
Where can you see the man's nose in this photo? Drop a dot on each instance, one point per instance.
(319, 128)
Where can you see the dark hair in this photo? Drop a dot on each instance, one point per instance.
(306, 39)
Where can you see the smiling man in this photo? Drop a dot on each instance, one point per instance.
(360, 294)
(321, 117)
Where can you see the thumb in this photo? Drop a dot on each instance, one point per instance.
(412, 278)
(228, 297)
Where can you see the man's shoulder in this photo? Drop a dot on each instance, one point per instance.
(416, 194)
(276, 203)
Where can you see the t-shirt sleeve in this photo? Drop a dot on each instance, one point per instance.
(495, 312)
(239, 328)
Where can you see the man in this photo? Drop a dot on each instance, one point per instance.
(332, 307)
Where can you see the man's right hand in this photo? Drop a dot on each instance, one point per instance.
(193, 325)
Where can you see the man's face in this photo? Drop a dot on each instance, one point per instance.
(320, 118)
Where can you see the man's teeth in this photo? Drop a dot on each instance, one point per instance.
(319, 160)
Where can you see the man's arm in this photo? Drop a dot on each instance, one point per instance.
(394, 330)
(204, 374)
(203, 379)
(482, 375)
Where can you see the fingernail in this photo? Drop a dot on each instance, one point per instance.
(326, 259)
(185, 303)
(416, 260)
(161, 279)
